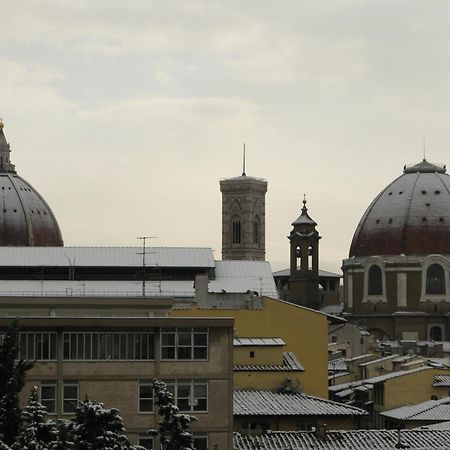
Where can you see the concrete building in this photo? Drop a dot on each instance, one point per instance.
(110, 350)
(396, 279)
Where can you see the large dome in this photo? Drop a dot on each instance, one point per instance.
(25, 217)
(411, 216)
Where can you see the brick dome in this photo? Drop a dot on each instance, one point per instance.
(410, 216)
(25, 217)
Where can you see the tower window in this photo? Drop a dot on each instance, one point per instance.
(435, 284)
(256, 231)
(236, 231)
(375, 281)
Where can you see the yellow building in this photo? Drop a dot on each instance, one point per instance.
(303, 331)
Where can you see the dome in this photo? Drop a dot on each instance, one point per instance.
(411, 216)
(25, 217)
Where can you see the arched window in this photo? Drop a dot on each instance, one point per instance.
(298, 254)
(236, 230)
(310, 257)
(436, 334)
(256, 230)
(375, 286)
(435, 284)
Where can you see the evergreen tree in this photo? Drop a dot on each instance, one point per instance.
(12, 380)
(64, 436)
(37, 431)
(97, 428)
(173, 428)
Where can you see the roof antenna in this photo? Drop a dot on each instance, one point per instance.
(243, 163)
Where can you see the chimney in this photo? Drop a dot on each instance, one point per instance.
(201, 290)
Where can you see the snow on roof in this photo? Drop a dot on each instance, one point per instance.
(106, 256)
(243, 276)
(242, 341)
(431, 410)
(290, 364)
(337, 364)
(375, 361)
(266, 403)
(343, 440)
(322, 273)
(441, 381)
(436, 426)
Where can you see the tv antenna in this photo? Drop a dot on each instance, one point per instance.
(144, 253)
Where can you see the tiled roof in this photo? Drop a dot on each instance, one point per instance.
(266, 403)
(337, 365)
(344, 440)
(377, 361)
(237, 342)
(431, 410)
(441, 381)
(290, 364)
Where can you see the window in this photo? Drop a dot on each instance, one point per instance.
(436, 333)
(48, 396)
(375, 281)
(189, 395)
(146, 441)
(252, 354)
(37, 346)
(236, 231)
(184, 343)
(70, 396)
(435, 283)
(108, 346)
(145, 397)
(200, 441)
(256, 230)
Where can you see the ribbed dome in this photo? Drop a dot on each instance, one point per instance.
(25, 217)
(410, 216)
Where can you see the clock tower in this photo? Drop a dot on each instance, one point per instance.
(243, 217)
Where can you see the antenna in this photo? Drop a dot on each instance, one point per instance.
(143, 253)
(243, 163)
(424, 152)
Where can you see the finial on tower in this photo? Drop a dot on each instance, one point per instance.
(243, 163)
(424, 152)
(304, 203)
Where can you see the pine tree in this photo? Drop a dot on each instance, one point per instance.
(173, 428)
(37, 431)
(64, 436)
(97, 428)
(12, 380)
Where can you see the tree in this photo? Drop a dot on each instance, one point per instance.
(173, 428)
(12, 380)
(37, 431)
(96, 428)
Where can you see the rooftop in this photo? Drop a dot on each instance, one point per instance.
(432, 410)
(290, 364)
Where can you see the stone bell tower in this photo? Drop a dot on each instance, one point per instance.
(243, 217)
(303, 285)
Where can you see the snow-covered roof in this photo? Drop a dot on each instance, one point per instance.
(290, 364)
(377, 361)
(343, 440)
(106, 256)
(431, 410)
(255, 341)
(266, 403)
(322, 273)
(441, 381)
(337, 364)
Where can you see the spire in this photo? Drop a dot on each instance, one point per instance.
(5, 163)
(243, 163)
(304, 218)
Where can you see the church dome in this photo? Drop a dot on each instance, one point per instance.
(25, 217)
(411, 216)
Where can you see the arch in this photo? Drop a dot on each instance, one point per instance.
(375, 281)
(435, 333)
(236, 234)
(298, 257)
(435, 280)
(310, 257)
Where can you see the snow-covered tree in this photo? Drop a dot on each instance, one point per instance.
(37, 431)
(173, 427)
(96, 428)
(12, 380)
(64, 436)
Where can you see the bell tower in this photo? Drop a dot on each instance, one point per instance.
(304, 239)
(243, 217)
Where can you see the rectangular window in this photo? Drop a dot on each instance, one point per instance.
(200, 441)
(108, 346)
(145, 397)
(48, 396)
(190, 395)
(146, 441)
(184, 343)
(36, 346)
(70, 396)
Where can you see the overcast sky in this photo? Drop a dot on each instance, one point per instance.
(125, 115)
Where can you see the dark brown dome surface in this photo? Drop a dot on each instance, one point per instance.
(410, 216)
(25, 217)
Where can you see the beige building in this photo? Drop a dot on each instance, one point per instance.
(110, 350)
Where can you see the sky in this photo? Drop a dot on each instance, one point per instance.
(125, 115)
